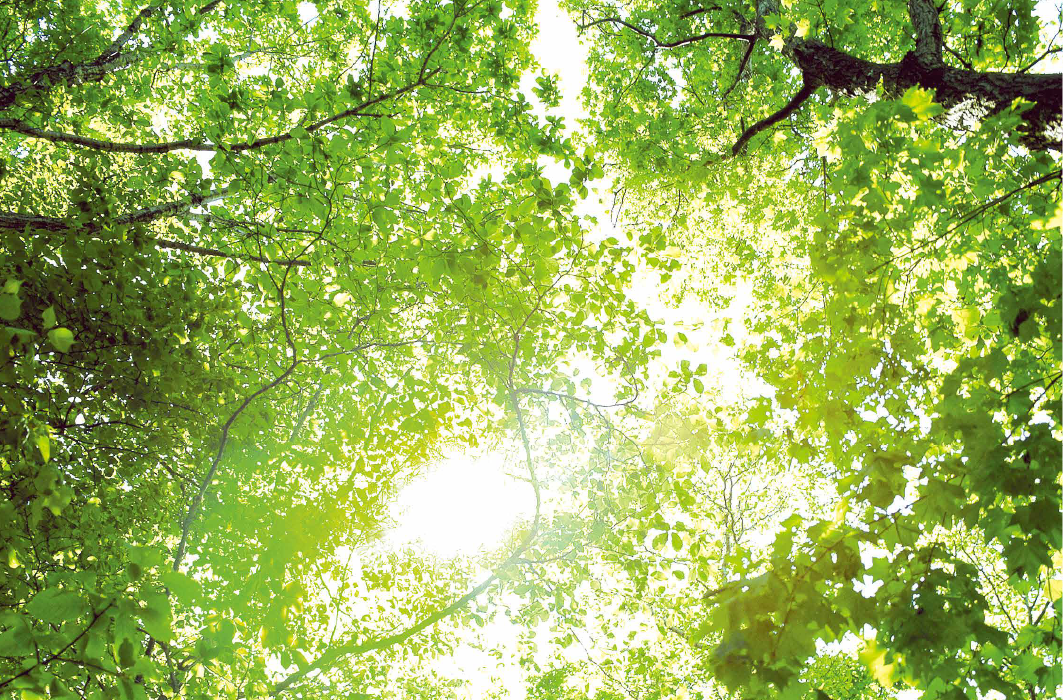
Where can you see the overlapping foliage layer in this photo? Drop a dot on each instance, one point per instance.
(262, 261)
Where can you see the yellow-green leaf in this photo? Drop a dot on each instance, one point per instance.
(921, 102)
(61, 339)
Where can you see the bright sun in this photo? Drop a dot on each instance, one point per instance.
(464, 504)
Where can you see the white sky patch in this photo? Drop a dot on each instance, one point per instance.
(559, 51)
(307, 12)
(1050, 14)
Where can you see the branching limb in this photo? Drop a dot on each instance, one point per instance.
(112, 51)
(213, 252)
(44, 662)
(661, 43)
(1051, 50)
(197, 499)
(806, 91)
(742, 65)
(110, 60)
(970, 216)
(576, 399)
(199, 144)
(17, 221)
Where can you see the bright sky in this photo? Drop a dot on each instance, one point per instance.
(463, 504)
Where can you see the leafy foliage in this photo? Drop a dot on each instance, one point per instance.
(261, 263)
(220, 370)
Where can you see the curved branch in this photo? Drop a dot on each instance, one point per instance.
(576, 399)
(18, 221)
(806, 91)
(199, 144)
(741, 68)
(56, 656)
(193, 508)
(197, 500)
(213, 252)
(112, 51)
(667, 44)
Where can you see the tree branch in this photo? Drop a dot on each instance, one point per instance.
(18, 221)
(844, 73)
(44, 662)
(741, 68)
(223, 439)
(667, 44)
(212, 252)
(110, 60)
(199, 144)
(576, 399)
(789, 108)
(112, 51)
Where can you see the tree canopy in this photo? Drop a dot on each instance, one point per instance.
(264, 263)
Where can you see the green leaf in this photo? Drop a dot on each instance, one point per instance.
(127, 655)
(61, 339)
(921, 102)
(157, 617)
(10, 307)
(186, 589)
(17, 639)
(56, 606)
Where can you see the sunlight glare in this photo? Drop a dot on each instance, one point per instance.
(465, 504)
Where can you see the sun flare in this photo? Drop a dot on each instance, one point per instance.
(465, 504)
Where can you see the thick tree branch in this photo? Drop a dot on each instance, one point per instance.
(841, 72)
(18, 221)
(789, 108)
(824, 66)
(112, 51)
